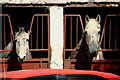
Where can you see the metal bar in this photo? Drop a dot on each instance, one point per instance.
(110, 35)
(70, 49)
(115, 34)
(104, 41)
(67, 15)
(33, 19)
(31, 30)
(81, 24)
(12, 35)
(38, 49)
(31, 41)
(71, 32)
(64, 37)
(48, 20)
(11, 30)
(28, 50)
(113, 15)
(32, 23)
(108, 50)
(80, 20)
(5, 51)
(36, 59)
(4, 33)
(37, 33)
(105, 25)
(64, 32)
(103, 33)
(76, 30)
(42, 33)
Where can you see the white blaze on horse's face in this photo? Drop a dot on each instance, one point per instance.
(92, 32)
(22, 44)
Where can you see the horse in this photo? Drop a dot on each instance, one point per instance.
(88, 46)
(21, 44)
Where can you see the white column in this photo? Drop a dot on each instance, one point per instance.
(56, 37)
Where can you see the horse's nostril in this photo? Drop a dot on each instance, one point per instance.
(22, 59)
(92, 36)
(93, 53)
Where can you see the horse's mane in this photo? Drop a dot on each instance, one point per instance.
(10, 54)
(81, 50)
(13, 54)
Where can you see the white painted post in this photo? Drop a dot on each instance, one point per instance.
(56, 37)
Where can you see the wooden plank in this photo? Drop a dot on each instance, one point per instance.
(67, 64)
(44, 64)
(112, 66)
(30, 66)
(11, 65)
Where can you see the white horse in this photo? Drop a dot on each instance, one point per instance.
(90, 42)
(92, 32)
(21, 42)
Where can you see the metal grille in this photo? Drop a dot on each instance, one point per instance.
(7, 31)
(110, 36)
(39, 42)
(40, 35)
(73, 28)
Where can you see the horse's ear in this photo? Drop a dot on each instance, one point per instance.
(87, 19)
(98, 18)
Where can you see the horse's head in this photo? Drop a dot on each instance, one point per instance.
(22, 44)
(92, 33)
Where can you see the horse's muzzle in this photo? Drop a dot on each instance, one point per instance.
(22, 59)
(93, 53)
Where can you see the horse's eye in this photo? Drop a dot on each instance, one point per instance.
(99, 32)
(15, 41)
(86, 32)
(27, 39)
